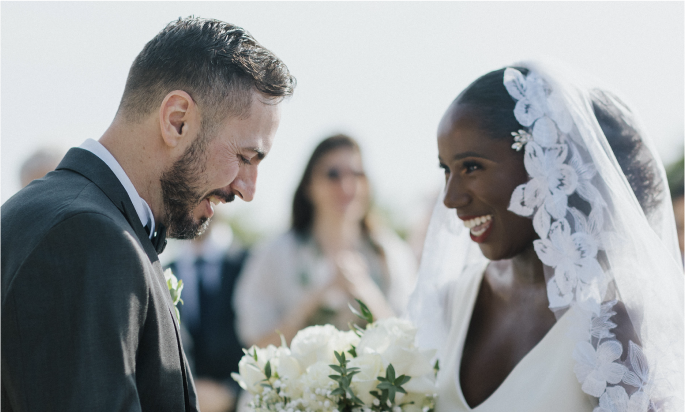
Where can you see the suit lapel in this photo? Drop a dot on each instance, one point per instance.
(94, 169)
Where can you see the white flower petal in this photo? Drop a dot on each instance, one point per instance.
(556, 204)
(555, 156)
(609, 351)
(542, 221)
(568, 179)
(639, 402)
(594, 385)
(613, 372)
(556, 298)
(515, 83)
(545, 131)
(526, 112)
(518, 203)
(547, 253)
(584, 355)
(534, 160)
(560, 234)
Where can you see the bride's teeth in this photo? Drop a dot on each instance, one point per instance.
(477, 221)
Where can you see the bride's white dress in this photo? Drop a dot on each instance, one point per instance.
(542, 381)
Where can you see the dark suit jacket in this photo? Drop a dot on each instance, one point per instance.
(216, 349)
(87, 320)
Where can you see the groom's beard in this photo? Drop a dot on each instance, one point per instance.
(181, 192)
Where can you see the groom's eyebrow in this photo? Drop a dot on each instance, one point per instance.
(464, 155)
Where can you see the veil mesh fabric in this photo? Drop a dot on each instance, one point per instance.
(601, 252)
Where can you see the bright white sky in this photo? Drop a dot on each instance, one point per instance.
(383, 72)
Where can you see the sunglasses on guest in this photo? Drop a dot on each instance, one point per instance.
(335, 175)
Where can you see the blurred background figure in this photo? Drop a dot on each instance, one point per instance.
(332, 254)
(675, 174)
(209, 267)
(40, 163)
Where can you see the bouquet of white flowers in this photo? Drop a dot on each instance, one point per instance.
(326, 370)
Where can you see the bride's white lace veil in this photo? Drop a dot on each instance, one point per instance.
(605, 246)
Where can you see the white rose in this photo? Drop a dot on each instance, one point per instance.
(424, 385)
(313, 344)
(418, 401)
(286, 365)
(317, 375)
(370, 367)
(250, 375)
(410, 362)
(343, 341)
(386, 332)
(263, 354)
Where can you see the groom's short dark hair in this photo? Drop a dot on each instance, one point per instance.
(218, 64)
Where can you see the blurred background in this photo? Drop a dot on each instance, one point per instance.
(382, 72)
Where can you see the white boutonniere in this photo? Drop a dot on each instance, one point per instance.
(175, 287)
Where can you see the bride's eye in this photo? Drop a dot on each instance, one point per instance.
(444, 168)
(472, 166)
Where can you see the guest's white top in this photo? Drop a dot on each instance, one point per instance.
(142, 208)
(279, 273)
(542, 381)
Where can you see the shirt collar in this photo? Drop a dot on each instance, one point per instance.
(142, 208)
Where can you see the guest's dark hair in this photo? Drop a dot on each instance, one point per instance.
(494, 111)
(216, 63)
(303, 208)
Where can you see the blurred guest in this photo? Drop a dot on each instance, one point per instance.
(676, 181)
(331, 255)
(209, 267)
(40, 163)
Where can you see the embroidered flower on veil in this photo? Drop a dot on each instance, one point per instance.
(537, 106)
(573, 257)
(639, 376)
(560, 164)
(595, 368)
(616, 399)
(551, 182)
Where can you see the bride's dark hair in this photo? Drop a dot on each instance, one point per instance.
(494, 108)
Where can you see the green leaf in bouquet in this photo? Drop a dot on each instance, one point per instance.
(336, 368)
(365, 312)
(390, 385)
(402, 379)
(340, 356)
(436, 367)
(356, 329)
(353, 351)
(353, 397)
(368, 316)
(338, 392)
(267, 370)
(390, 373)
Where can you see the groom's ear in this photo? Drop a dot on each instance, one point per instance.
(178, 119)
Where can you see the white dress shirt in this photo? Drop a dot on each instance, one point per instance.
(141, 206)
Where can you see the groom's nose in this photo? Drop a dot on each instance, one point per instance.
(245, 184)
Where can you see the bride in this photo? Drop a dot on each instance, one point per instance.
(561, 287)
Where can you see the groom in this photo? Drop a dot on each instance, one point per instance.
(87, 320)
